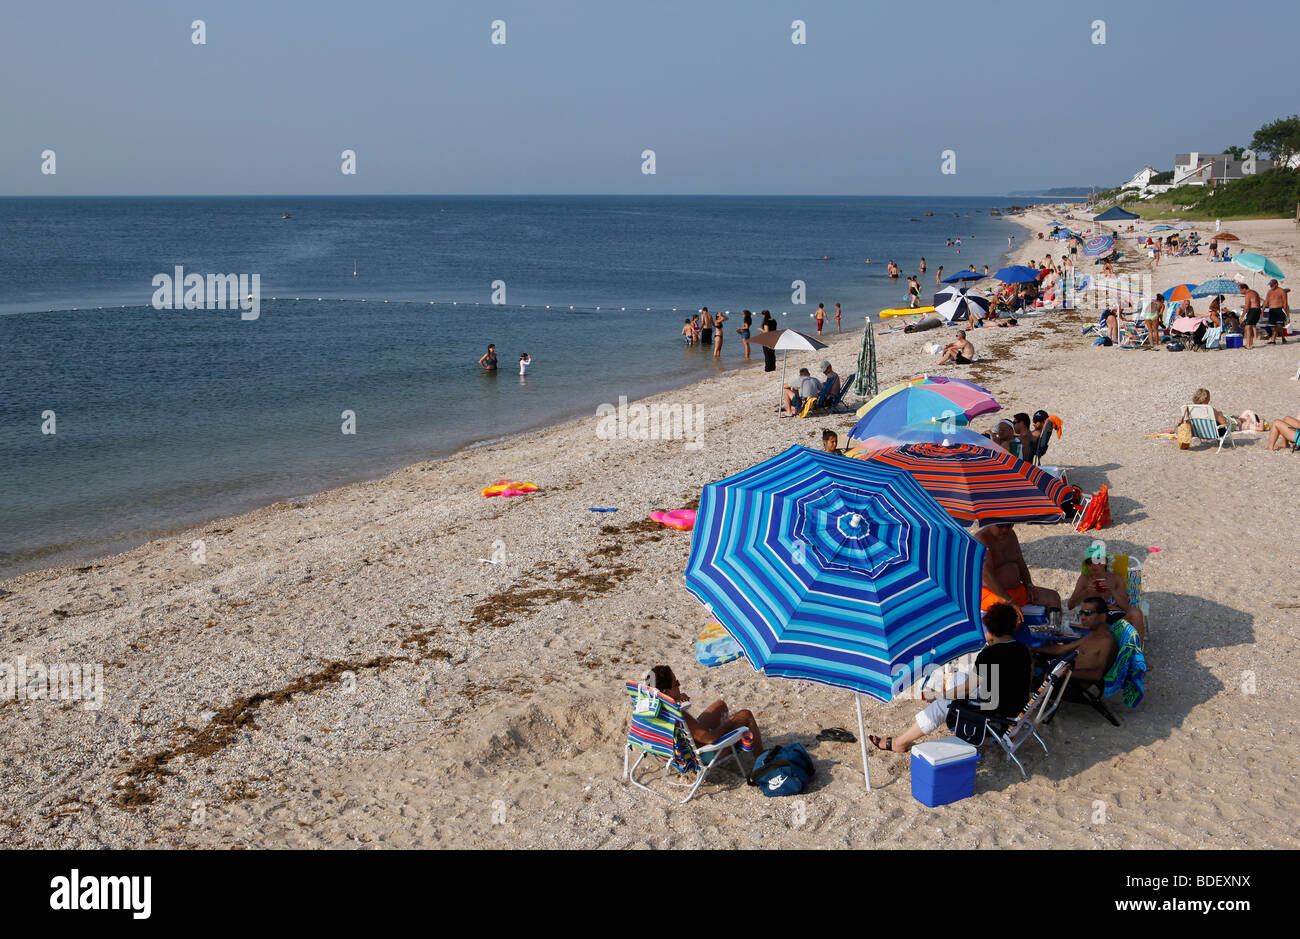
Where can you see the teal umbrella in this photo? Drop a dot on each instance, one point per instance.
(1259, 264)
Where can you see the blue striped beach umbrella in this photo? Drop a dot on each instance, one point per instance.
(1212, 288)
(837, 571)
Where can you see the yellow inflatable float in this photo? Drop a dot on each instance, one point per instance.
(906, 311)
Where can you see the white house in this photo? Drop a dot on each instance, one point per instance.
(1141, 181)
(1200, 169)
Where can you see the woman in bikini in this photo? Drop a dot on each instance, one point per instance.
(714, 722)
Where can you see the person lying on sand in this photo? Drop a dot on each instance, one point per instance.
(1002, 681)
(1283, 431)
(960, 351)
(1096, 650)
(714, 722)
(1097, 579)
(1006, 576)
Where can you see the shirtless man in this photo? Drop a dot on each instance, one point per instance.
(959, 351)
(1006, 577)
(1275, 303)
(1155, 314)
(1023, 431)
(1250, 321)
(1002, 435)
(1095, 649)
(1097, 579)
(706, 327)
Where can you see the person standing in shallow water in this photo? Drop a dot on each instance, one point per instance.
(489, 360)
(769, 355)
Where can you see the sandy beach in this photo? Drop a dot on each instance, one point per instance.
(353, 669)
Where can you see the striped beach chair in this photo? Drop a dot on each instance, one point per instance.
(1205, 426)
(659, 730)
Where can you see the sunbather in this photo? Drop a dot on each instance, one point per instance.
(1002, 681)
(1006, 576)
(1283, 431)
(960, 351)
(1097, 579)
(714, 721)
(1096, 650)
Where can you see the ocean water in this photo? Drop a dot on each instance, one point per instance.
(165, 418)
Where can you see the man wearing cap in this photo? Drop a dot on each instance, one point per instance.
(1275, 302)
(1006, 577)
(1097, 579)
(830, 379)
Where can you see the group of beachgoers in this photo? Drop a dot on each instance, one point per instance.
(1181, 321)
(705, 329)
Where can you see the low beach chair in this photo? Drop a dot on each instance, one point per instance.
(833, 405)
(1125, 674)
(820, 403)
(1205, 426)
(658, 729)
(974, 725)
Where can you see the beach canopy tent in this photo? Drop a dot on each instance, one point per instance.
(983, 484)
(963, 276)
(788, 340)
(1017, 274)
(1099, 245)
(1115, 214)
(960, 306)
(837, 571)
(1259, 264)
(1212, 288)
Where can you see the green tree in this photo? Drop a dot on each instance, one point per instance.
(1235, 151)
(1279, 139)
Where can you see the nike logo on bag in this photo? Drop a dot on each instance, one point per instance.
(776, 782)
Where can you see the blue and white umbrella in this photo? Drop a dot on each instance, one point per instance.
(959, 305)
(833, 570)
(1212, 288)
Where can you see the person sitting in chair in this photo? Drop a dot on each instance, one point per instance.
(714, 721)
(1097, 579)
(1097, 650)
(1002, 681)
(1006, 576)
(1283, 431)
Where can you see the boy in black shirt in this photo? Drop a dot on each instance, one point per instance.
(1002, 682)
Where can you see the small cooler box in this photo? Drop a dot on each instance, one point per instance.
(943, 771)
(1232, 341)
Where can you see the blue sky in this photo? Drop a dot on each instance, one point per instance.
(729, 105)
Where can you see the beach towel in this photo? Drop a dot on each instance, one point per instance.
(1130, 666)
(1097, 514)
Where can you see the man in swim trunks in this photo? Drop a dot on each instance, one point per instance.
(706, 327)
(1006, 577)
(959, 351)
(1275, 303)
(1096, 650)
(1097, 579)
(1250, 322)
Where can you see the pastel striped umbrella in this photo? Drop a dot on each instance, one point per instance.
(1099, 245)
(924, 400)
(978, 484)
(837, 571)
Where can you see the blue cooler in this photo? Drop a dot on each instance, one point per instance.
(1034, 614)
(1232, 340)
(943, 771)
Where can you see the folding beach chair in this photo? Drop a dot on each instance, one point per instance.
(1205, 426)
(821, 402)
(974, 725)
(658, 729)
(1125, 674)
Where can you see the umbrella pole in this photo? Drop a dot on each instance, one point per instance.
(785, 354)
(862, 739)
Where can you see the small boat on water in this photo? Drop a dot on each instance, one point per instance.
(927, 213)
(286, 215)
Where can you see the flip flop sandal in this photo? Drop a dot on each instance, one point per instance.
(837, 734)
(888, 743)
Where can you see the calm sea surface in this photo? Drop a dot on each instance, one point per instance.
(167, 418)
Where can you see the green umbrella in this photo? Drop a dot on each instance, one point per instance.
(1259, 264)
